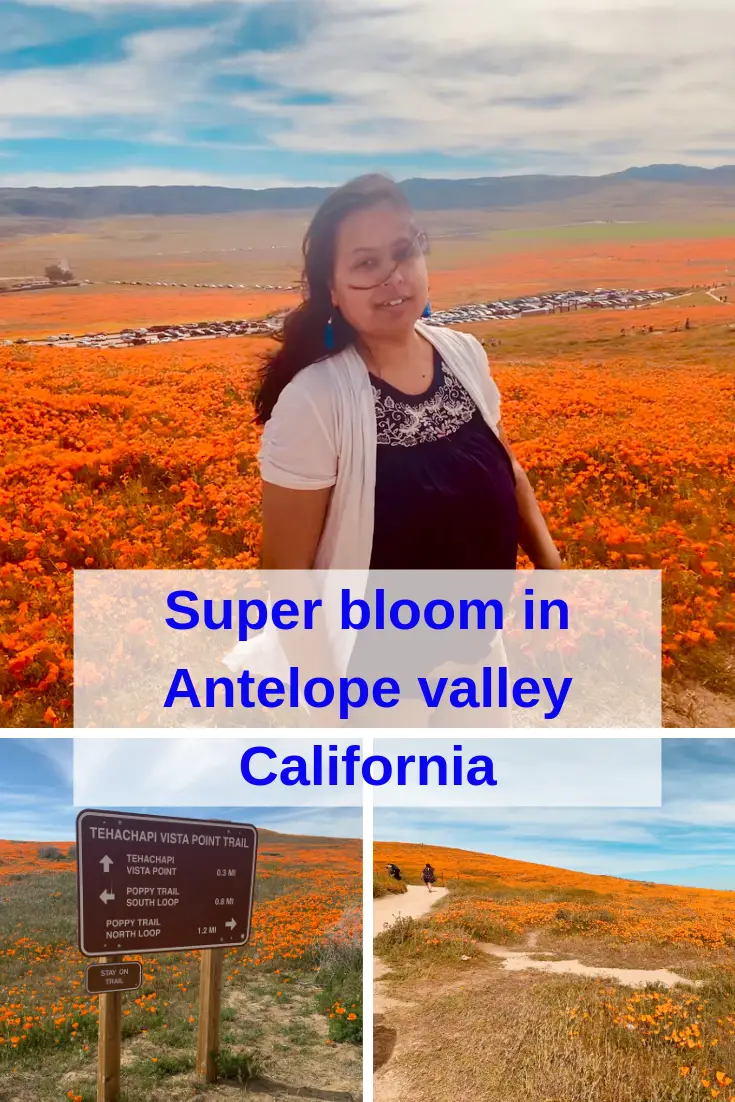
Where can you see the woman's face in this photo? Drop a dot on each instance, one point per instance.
(368, 244)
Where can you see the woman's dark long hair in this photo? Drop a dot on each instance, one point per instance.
(303, 340)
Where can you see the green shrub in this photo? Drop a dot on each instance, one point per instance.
(411, 940)
(345, 1022)
(385, 885)
(339, 975)
(50, 853)
(238, 1067)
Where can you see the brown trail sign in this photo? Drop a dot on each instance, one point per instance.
(158, 884)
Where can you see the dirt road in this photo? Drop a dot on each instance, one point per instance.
(416, 902)
(518, 961)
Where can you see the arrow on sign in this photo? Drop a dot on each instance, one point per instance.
(106, 862)
(231, 924)
(106, 896)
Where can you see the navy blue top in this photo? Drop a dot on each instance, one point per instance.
(444, 500)
(445, 488)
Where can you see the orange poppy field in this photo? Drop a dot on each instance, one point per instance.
(80, 310)
(146, 458)
(591, 256)
(307, 916)
(652, 1041)
(638, 911)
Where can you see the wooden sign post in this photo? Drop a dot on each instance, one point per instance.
(210, 1001)
(109, 1047)
(160, 884)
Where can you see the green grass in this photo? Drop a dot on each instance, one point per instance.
(385, 885)
(571, 338)
(339, 976)
(409, 944)
(237, 1067)
(612, 231)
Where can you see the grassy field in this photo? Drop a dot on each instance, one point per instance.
(265, 247)
(507, 1036)
(218, 248)
(292, 1000)
(147, 456)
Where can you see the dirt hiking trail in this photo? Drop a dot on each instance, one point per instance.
(515, 960)
(416, 901)
(413, 904)
(400, 1029)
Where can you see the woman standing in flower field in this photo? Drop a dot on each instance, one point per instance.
(383, 446)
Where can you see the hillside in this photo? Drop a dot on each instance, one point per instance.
(484, 193)
(528, 982)
(19, 858)
(520, 895)
(303, 959)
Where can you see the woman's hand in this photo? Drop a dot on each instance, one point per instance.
(535, 538)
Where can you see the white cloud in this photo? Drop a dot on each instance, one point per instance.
(23, 30)
(540, 85)
(654, 79)
(333, 822)
(128, 5)
(574, 823)
(57, 752)
(156, 76)
(693, 830)
(617, 849)
(15, 129)
(143, 176)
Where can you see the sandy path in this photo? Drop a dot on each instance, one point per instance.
(416, 902)
(518, 961)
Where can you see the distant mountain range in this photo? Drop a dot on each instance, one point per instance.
(484, 193)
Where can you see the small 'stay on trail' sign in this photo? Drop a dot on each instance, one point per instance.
(125, 976)
(154, 883)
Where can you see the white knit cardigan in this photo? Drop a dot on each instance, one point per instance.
(321, 433)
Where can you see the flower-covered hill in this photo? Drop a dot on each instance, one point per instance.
(35, 858)
(496, 897)
(301, 964)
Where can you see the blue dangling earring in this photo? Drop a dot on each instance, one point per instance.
(427, 311)
(329, 336)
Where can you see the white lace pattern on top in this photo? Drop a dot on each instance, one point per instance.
(404, 425)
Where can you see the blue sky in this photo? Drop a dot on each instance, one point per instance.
(36, 800)
(689, 840)
(266, 92)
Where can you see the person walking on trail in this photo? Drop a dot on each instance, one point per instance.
(428, 875)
